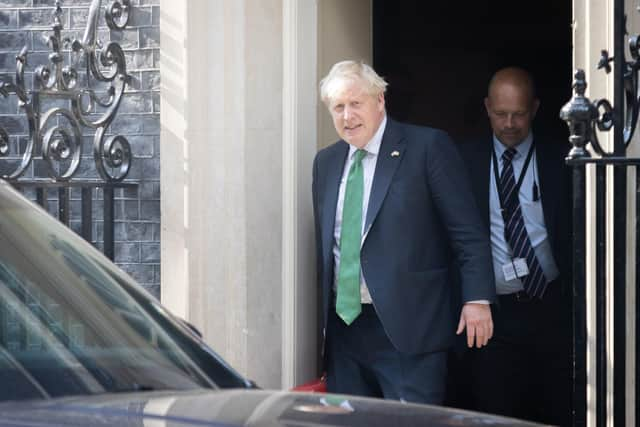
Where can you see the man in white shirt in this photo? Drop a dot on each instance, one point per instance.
(521, 185)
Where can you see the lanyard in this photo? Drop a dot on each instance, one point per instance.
(520, 178)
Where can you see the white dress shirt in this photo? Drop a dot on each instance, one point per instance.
(531, 211)
(368, 167)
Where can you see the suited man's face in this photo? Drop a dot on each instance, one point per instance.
(356, 114)
(511, 110)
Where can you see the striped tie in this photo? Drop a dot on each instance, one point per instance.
(534, 283)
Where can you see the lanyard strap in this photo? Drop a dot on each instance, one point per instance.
(520, 178)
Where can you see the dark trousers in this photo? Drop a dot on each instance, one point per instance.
(361, 360)
(524, 371)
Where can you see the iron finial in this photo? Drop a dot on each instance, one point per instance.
(579, 114)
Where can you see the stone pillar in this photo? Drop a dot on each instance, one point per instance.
(592, 31)
(300, 301)
(221, 176)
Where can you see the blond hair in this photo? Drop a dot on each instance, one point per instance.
(345, 72)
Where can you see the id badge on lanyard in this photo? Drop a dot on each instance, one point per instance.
(515, 269)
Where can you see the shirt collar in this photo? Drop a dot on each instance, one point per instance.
(521, 149)
(373, 146)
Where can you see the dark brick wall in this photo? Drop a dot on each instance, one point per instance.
(137, 227)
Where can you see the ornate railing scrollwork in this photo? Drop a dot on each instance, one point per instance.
(601, 116)
(58, 131)
(117, 14)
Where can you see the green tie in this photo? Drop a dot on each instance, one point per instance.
(348, 298)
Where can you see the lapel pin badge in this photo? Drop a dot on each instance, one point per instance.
(395, 153)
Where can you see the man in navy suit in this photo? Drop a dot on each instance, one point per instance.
(521, 185)
(392, 204)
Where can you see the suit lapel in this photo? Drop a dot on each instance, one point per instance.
(389, 158)
(335, 167)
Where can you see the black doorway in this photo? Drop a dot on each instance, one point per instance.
(438, 57)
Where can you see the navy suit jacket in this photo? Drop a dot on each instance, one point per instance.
(555, 192)
(421, 210)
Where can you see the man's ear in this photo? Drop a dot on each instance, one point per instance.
(486, 104)
(381, 101)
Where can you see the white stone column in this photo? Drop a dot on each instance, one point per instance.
(300, 296)
(221, 176)
(593, 31)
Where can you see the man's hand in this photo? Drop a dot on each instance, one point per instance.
(477, 319)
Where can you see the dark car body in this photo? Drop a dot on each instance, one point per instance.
(237, 408)
(81, 344)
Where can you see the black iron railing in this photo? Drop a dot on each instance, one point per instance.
(77, 92)
(585, 119)
(87, 215)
